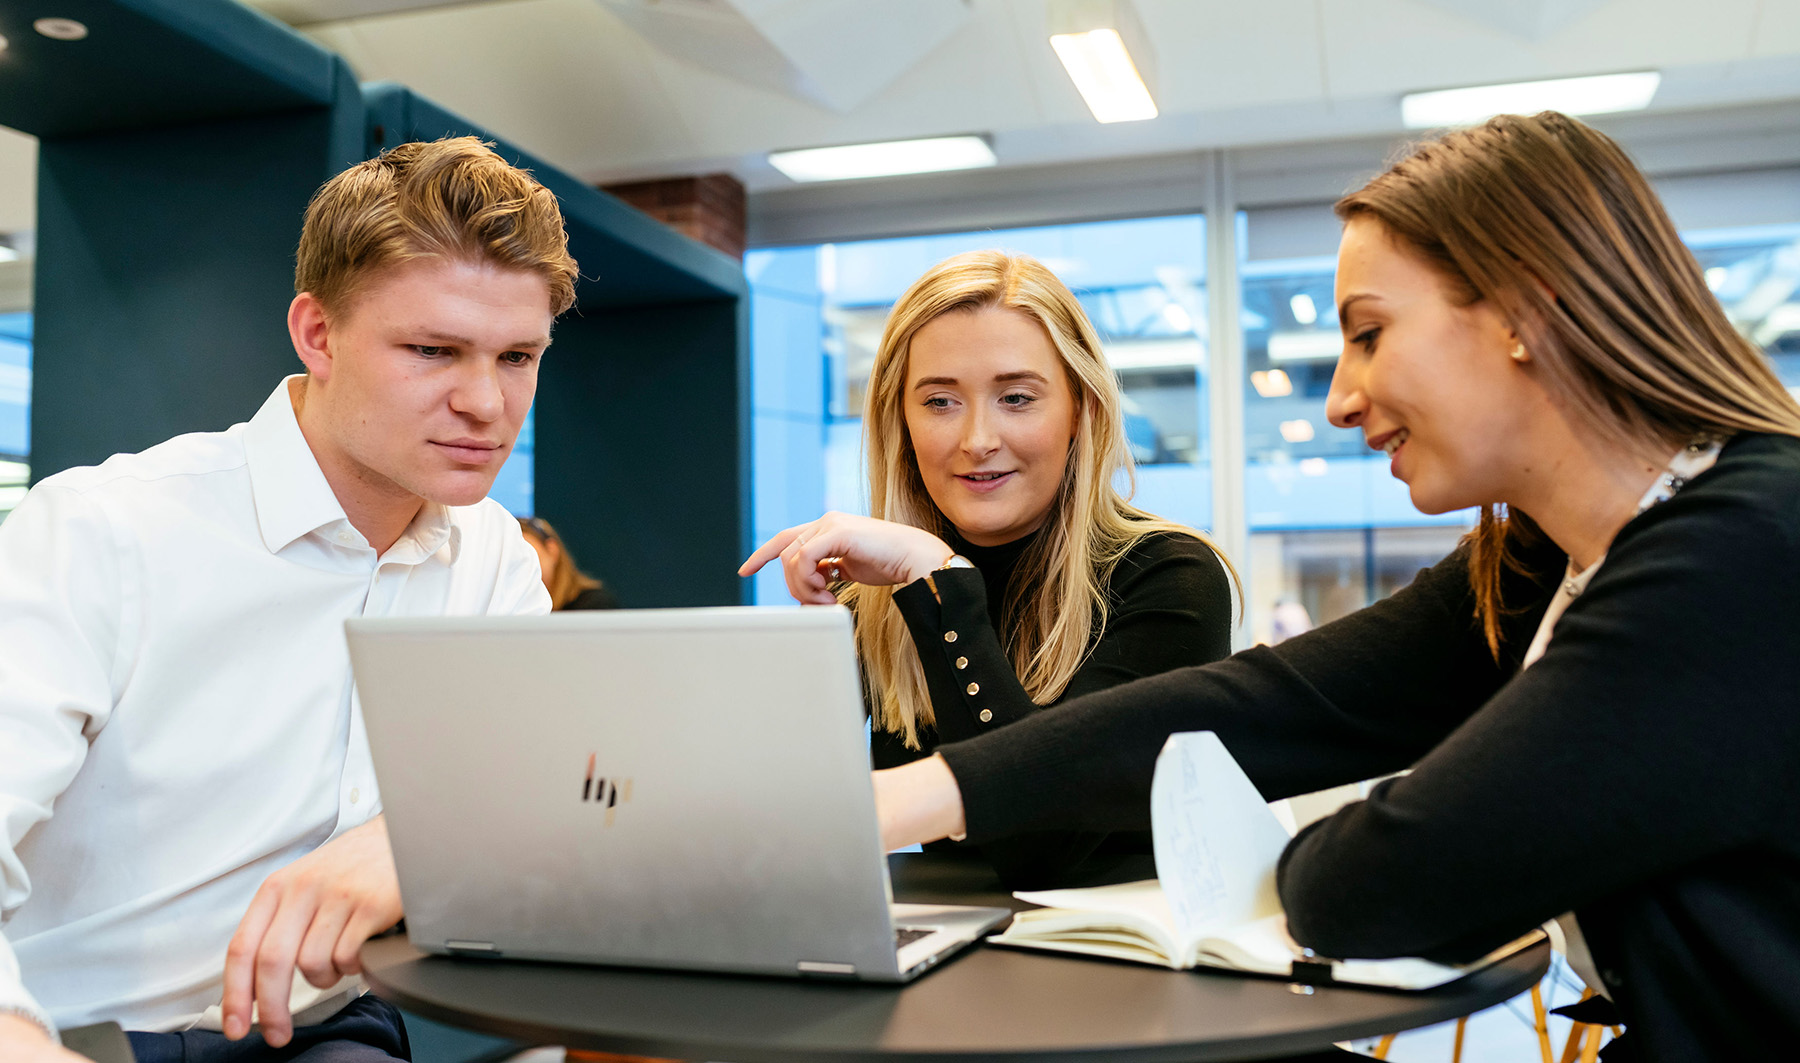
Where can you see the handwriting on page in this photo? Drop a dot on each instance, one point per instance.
(1217, 842)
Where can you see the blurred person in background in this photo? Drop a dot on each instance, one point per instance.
(569, 587)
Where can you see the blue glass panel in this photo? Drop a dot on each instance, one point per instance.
(15, 385)
(513, 487)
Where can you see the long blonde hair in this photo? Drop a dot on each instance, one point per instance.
(1056, 601)
(1548, 218)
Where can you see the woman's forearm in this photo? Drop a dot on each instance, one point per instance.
(917, 803)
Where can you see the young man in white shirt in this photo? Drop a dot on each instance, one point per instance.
(188, 815)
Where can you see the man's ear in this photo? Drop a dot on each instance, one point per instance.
(311, 333)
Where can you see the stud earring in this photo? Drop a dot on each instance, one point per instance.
(1519, 354)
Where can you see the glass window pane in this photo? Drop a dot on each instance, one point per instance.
(515, 484)
(1330, 529)
(1755, 273)
(15, 408)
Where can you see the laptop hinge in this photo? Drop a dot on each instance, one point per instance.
(471, 948)
(829, 970)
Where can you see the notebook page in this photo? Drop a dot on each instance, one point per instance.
(1216, 840)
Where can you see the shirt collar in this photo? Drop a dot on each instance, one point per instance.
(431, 531)
(291, 493)
(293, 498)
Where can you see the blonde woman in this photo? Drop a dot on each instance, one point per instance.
(1002, 571)
(1595, 695)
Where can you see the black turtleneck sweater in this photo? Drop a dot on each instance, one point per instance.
(1169, 606)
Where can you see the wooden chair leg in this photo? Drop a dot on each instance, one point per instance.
(1590, 1052)
(1381, 1050)
(1543, 1021)
(1577, 1032)
(1462, 1027)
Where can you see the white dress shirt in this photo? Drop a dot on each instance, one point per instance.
(177, 719)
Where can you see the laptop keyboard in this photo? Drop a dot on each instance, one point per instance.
(906, 935)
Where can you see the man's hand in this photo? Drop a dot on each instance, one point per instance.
(313, 914)
(24, 1041)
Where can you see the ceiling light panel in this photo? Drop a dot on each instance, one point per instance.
(1107, 54)
(1599, 94)
(1104, 74)
(890, 158)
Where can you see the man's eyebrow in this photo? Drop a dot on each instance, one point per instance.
(447, 339)
(451, 339)
(1352, 300)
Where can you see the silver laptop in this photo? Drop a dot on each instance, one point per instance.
(667, 788)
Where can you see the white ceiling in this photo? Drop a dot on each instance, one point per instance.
(571, 81)
(574, 82)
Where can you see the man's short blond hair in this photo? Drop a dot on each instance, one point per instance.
(453, 199)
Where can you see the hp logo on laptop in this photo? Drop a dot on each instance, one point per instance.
(604, 792)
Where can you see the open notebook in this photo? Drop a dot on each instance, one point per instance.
(1217, 844)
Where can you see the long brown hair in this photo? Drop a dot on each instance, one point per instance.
(1549, 219)
(1057, 597)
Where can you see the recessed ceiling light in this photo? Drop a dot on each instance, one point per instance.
(1600, 94)
(61, 29)
(1297, 431)
(1103, 46)
(1101, 67)
(2, 42)
(1271, 383)
(890, 158)
(1304, 310)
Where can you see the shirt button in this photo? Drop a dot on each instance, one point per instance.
(961, 663)
(355, 795)
(986, 715)
(973, 688)
(949, 636)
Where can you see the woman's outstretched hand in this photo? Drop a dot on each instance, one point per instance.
(918, 803)
(839, 546)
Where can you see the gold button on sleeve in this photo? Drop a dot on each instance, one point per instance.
(949, 636)
(973, 688)
(987, 715)
(961, 663)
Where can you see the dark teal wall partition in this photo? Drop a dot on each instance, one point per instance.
(164, 273)
(638, 449)
(179, 144)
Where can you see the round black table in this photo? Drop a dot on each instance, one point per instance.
(988, 1005)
